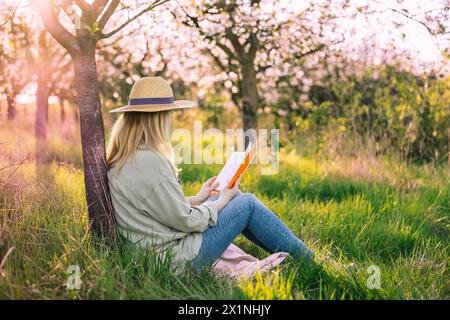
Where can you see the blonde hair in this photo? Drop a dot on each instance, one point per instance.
(151, 129)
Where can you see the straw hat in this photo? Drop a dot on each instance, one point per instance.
(152, 94)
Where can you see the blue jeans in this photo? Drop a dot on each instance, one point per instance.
(247, 215)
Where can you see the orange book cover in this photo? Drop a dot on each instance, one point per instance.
(235, 167)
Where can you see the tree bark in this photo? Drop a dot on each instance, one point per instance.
(62, 110)
(11, 107)
(76, 115)
(42, 93)
(250, 98)
(93, 141)
(46, 112)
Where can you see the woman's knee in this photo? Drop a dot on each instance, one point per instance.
(248, 198)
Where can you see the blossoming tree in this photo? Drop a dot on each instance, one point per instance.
(251, 40)
(78, 26)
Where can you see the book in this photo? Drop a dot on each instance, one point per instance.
(235, 167)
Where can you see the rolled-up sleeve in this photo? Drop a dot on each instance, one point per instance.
(167, 204)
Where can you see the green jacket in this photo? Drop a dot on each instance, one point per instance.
(151, 209)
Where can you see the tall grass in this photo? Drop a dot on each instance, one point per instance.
(359, 209)
(402, 231)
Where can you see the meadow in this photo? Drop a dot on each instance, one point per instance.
(351, 208)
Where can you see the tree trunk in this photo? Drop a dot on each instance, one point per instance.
(93, 142)
(76, 115)
(250, 99)
(62, 110)
(46, 112)
(42, 93)
(11, 107)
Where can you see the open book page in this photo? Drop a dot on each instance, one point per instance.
(235, 166)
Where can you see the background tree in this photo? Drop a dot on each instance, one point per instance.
(15, 61)
(50, 64)
(44, 64)
(63, 88)
(250, 40)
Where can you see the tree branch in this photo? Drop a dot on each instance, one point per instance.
(98, 6)
(149, 8)
(299, 55)
(231, 55)
(234, 42)
(217, 60)
(54, 27)
(11, 16)
(108, 13)
(227, 50)
(84, 6)
(413, 19)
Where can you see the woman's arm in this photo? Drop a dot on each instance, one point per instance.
(167, 204)
(194, 200)
(207, 188)
(226, 195)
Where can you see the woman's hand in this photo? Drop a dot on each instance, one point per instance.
(207, 188)
(227, 194)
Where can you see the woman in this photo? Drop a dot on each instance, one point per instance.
(148, 200)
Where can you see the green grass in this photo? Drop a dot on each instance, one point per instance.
(397, 220)
(359, 209)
